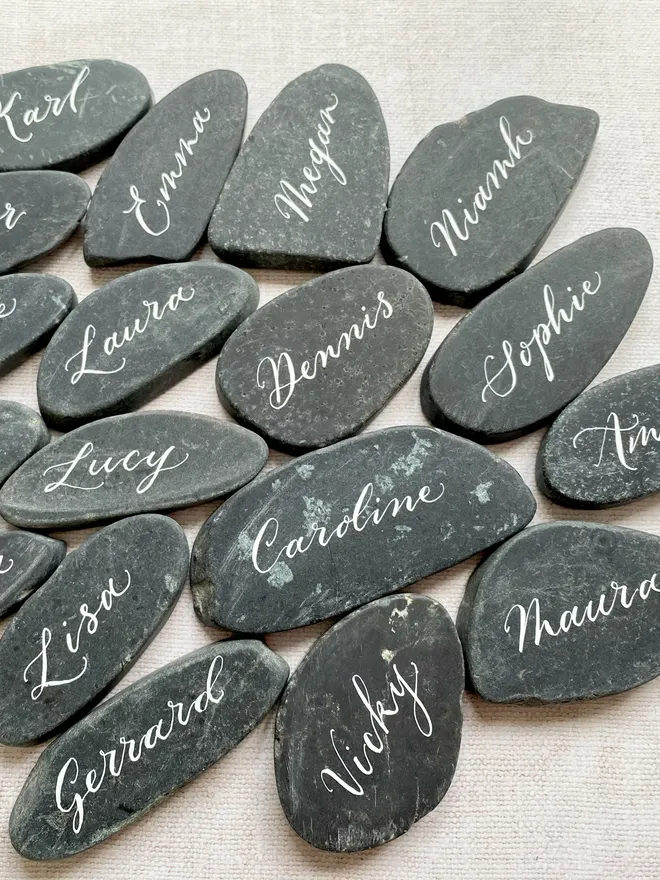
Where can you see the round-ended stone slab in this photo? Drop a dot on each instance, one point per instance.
(309, 187)
(26, 561)
(315, 364)
(68, 115)
(156, 195)
(137, 336)
(344, 525)
(87, 625)
(369, 729)
(476, 199)
(39, 210)
(564, 611)
(22, 433)
(142, 744)
(131, 464)
(518, 358)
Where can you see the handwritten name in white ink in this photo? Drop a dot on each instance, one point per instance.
(52, 106)
(3, 309)
(10, 564)
(612, 438)
(11, 215)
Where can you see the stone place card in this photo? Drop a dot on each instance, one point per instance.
(137, 336)
(137, 463)
(476, 199)
(156, 195)
(26, 561)
(142, 744)
(369, 729)
(309, 187)
(315, 364)
(530, 348)
(22, 433)
(350, 523)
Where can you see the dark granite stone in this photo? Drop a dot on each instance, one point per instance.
(68, 115)
(347, 524)
(369, 729)
(476, 199)
(32, 307)
(308, 189)
(39, 210)
(129, 464)
(533, 346)
(88, 624)
(142, 744)
(26, 561)
(137, 336)
(22, 433)
(156, 195)
(317, 363)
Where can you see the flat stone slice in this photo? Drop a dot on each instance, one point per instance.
(474, 387)
(22, 433)
(258, 564)
(39, 211)
(225, 690)
(155, 197)
(459, 167)
(401, 653)
(32, 306)
(378, 320)
(336, 219)
(176, 333)
(183, 459)
(91, 104)
(26, 561)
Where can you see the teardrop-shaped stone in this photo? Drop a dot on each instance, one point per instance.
(22, 433)
(26, 562)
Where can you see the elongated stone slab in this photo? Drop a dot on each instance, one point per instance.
(344, 525)
(369, 729)
(26, 562)
(530, 348)
(156, 195)
(88, 624)
(130, 464)
(138, 335)
(308, 189)
(476, 199)
(142, 744)
(315, 364)
(22, 433)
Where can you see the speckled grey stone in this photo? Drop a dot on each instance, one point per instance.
(156, 195)
(87, 625)
(26, 561)
(136, 463)
(511, 364)
(155, 735)
(158, 324)
(22, 433)
(68, 115)
(344, 525)
(477, 197)
(315, 364)
(308, 189)
(369, 729)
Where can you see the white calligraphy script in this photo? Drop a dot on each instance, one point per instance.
(34, 115)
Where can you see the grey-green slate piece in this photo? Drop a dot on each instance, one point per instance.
(22, 433)
(26, 562)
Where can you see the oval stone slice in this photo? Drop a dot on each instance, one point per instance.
(26, 561)
(131, 464)
(533, 346)
(22, 433)
(88, 624)
(317, 363)
(369, 729)
(142, 744)
(137, 336)
(344, 525)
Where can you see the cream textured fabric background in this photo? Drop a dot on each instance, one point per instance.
(570, 791)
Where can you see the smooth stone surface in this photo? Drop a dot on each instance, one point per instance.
(564, 611)
(22, 433)
(130, 464)
(138, 335)
(39, 210)
(309, 187)
(369, 729)
(157, 193)
(88, 624)
(68, 115)
(507, 367)
(177, 722)
(315, 364)
(26, 561)
(477, 197)
(342, 526)
(32, 306)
